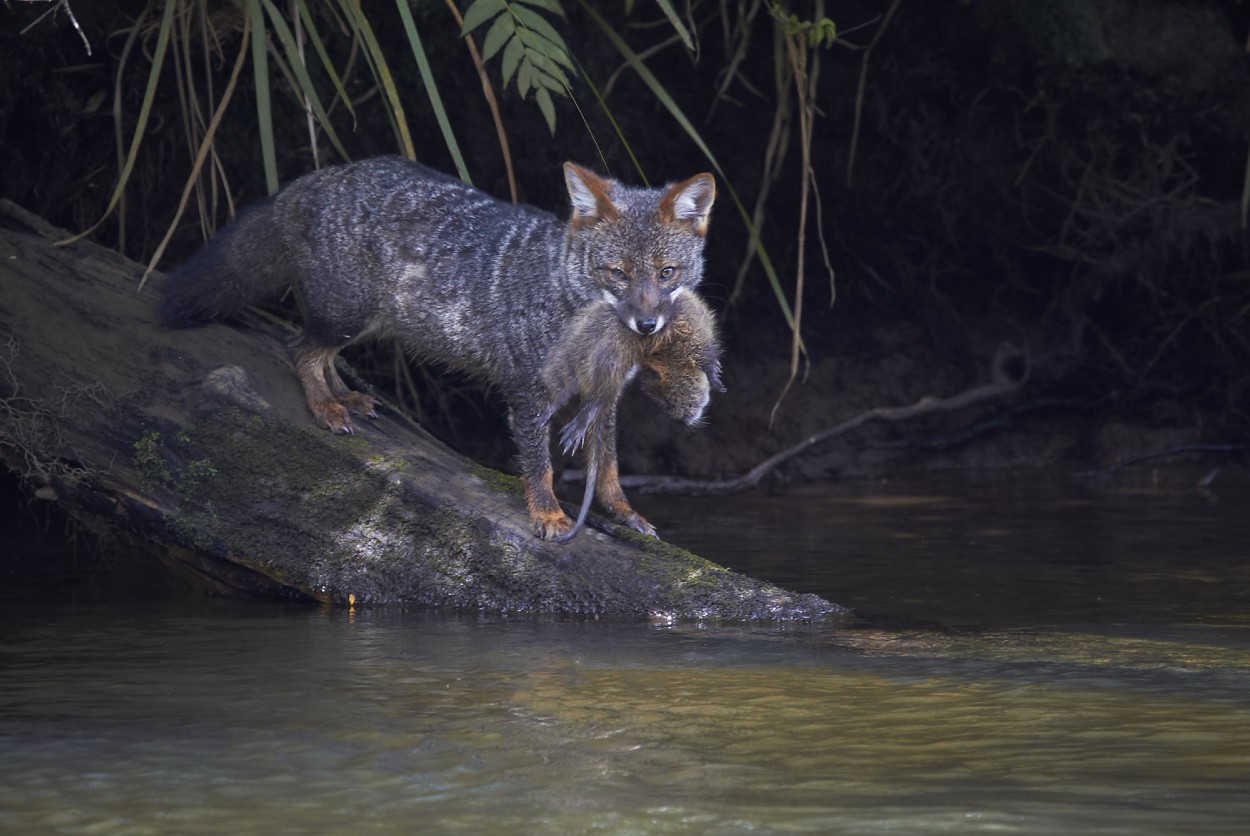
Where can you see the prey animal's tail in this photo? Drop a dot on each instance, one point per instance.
(592, 476)
(572, 437)
(246, 262)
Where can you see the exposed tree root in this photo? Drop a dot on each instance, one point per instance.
(1003, 384)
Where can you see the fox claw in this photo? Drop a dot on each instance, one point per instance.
(629, 517)
(555, 526)
(333, 417)
(359, 404)
(642, 527)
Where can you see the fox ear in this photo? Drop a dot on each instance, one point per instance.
(690, 202)
(588, 193)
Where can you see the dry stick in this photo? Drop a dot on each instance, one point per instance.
(488, 92)
(796, 53)
(927, 405)
(120, 138)
(59, 4)
(206, 145)
(1179, 449)
(742, 31)
(774, 158)
(859, 92)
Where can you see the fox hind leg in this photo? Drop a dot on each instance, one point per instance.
(601, 451)
(357, 403)
(328, 397)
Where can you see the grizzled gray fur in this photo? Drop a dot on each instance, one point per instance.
(389, 248)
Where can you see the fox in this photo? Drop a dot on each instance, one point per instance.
(597, 356)
(387, 248)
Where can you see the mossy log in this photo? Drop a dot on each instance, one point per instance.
(200, 441)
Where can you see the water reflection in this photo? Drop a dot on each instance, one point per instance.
(1000, 549)
(1057, 659)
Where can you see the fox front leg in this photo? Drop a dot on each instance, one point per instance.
(601, 456)
(532, 435)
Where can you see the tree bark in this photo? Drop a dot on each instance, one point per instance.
(201, 442)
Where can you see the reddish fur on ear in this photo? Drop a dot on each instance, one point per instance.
(690, 201)
(588, 194)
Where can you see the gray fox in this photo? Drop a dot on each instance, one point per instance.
(386, 247)
(597, 356)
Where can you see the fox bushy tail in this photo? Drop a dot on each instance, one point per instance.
(246, 262)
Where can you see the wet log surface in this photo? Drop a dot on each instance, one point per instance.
(200, 442)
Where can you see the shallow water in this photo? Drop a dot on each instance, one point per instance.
(1037, 655)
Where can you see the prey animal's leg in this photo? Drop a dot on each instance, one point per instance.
(583, 425)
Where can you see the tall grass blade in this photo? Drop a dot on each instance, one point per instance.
(300, 72)
(326, 64)
(382, 72)
(264, 107)
(145, 109)
(675, 22)
(431, 90)
(205, 148)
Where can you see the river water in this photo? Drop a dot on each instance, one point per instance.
(1035, 654)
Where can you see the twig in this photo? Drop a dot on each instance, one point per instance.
(1178, 450)
(488, 92)
(927, 405)
(58, 4)
(859, 91)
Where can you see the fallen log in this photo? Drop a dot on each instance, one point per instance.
(201, 442)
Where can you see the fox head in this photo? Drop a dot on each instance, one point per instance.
(642, 248)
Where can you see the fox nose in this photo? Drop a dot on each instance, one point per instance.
(647, 326)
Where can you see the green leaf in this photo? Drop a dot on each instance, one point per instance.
(543, 97)
(549, 82)
(503, 30)
(552, 6)
(512, 55)
(480, 12)
(525, 77)
(544, 47)
(558, 82)
(532, 20)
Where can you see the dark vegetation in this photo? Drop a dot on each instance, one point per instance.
(1054, 192)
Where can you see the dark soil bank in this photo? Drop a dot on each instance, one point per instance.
(1050, 195)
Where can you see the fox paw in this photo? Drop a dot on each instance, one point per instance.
(359, 404)
(333, 416)
(550, 525)
(637, 523)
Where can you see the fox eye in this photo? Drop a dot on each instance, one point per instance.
(668, 272)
